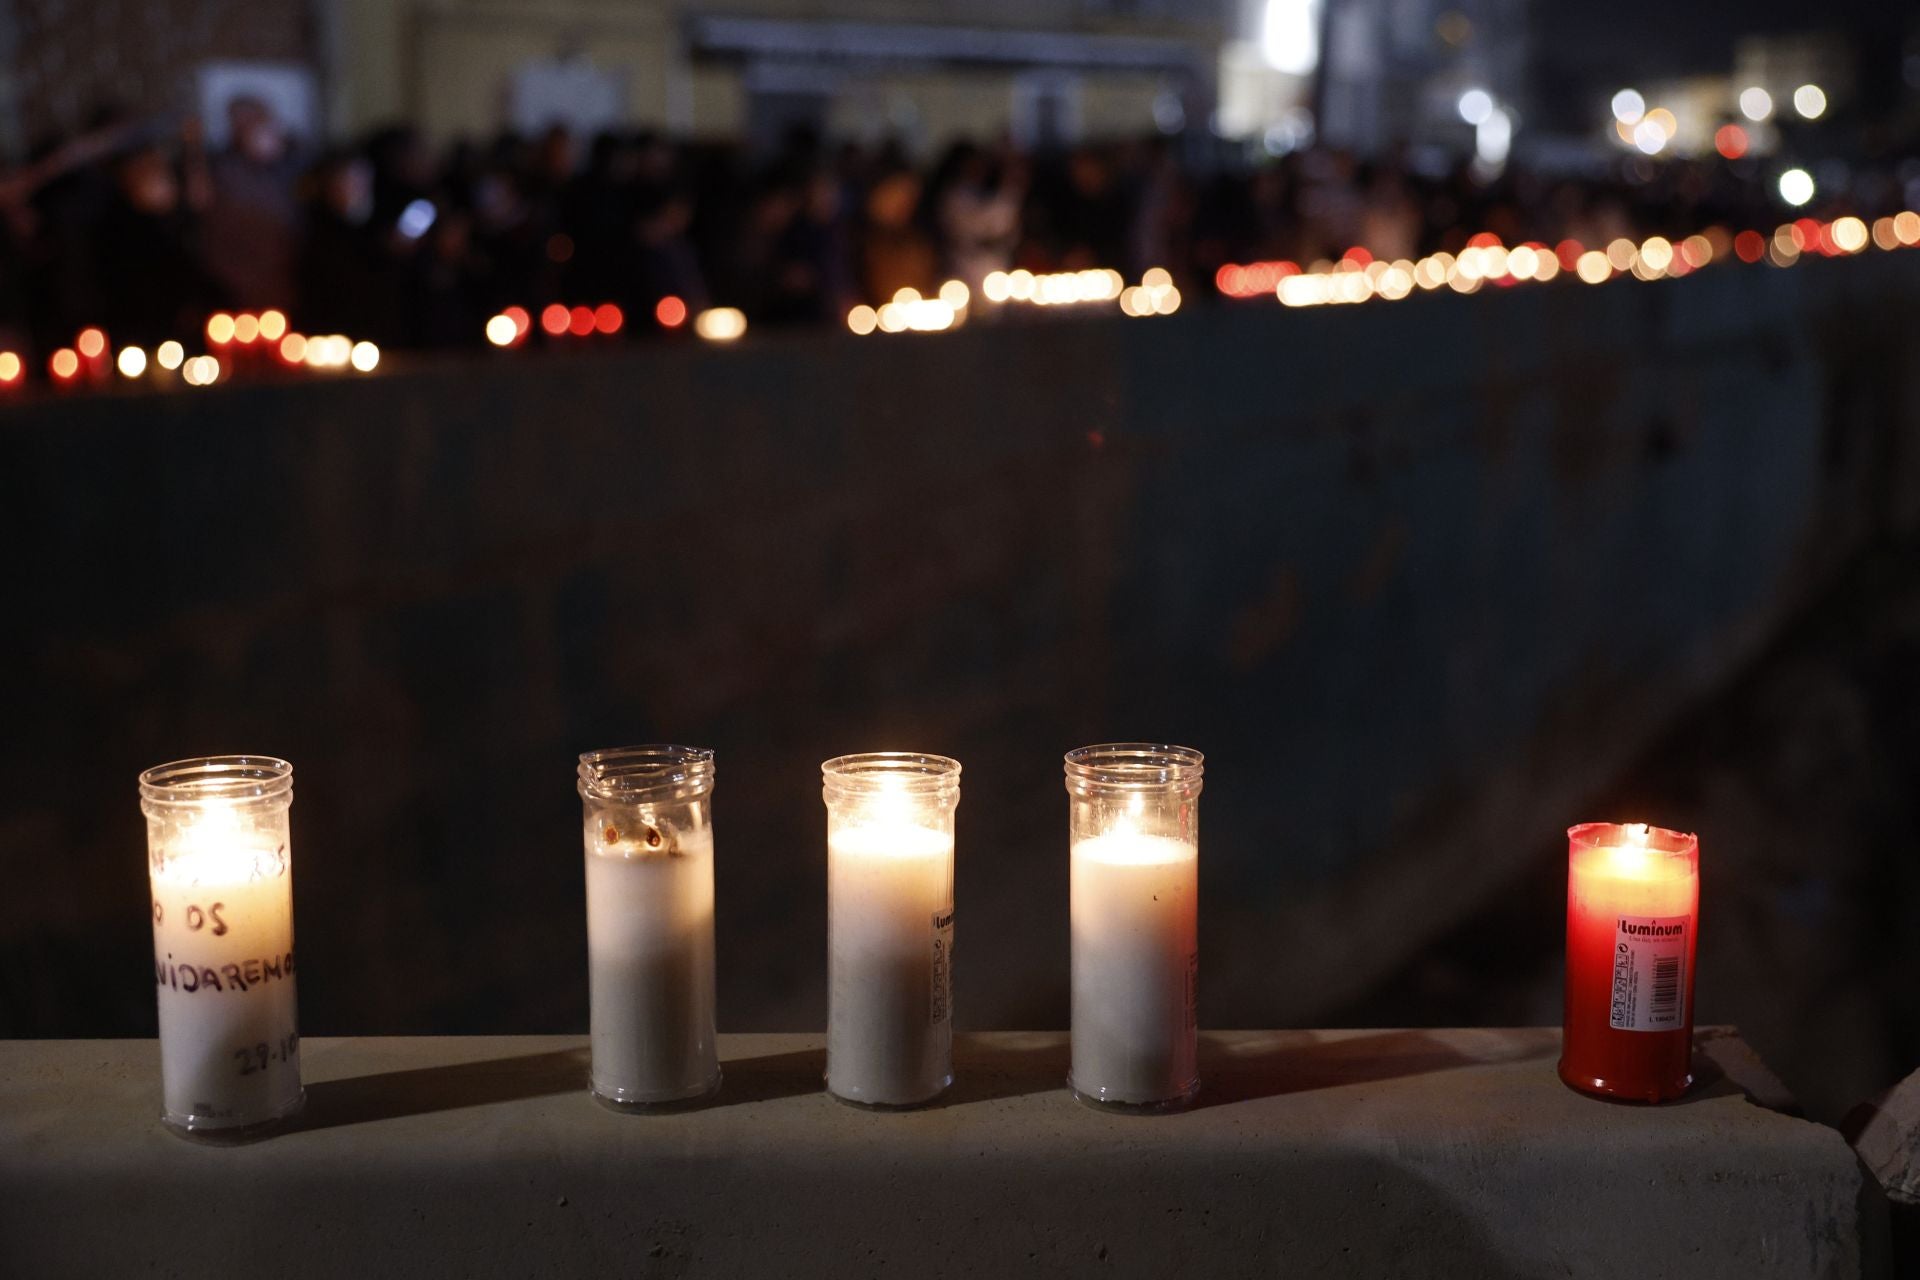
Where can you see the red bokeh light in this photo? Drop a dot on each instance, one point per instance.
(1730, 140)
(91, 342)
(521, 320)
(580, 321)
(608, 318)
(1483, 240)
(11, 367)
(1358, 255)
(553, 318)
(1749, 245)
(1569, 251)
(670, 311)
(64, 364)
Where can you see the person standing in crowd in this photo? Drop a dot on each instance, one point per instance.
(978, 212)
(250, 233)
(153, 283)
(348, 280)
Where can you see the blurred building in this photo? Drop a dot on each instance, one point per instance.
(920, 70)
(1041, 70)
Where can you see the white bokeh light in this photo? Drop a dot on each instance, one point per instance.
(1290, 36)
(1796, 187)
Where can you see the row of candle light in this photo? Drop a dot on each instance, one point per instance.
(220, 866)
(233, 340)
(1357, 276)
(512, 326)
(1360, 276)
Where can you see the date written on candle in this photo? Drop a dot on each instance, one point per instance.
(263, 1054)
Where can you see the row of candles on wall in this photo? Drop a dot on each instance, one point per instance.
(239, 343)
(513, 326)
(220, 864)
(1360, 276)
(234, 343)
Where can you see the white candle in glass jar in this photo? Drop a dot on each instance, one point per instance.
(889, 959)
(224, 969)
(650, 968)
(1135, 925)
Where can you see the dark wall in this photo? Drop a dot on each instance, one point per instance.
(1419, 578)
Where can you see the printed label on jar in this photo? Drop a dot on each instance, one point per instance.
(942, 1004)
(1649, 973)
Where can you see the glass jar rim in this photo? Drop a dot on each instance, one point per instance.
(200, 778)
(1134, 765)
(870, 772)
(1595, 835)
(644, 772)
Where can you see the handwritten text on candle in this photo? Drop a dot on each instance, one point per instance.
(237, 977)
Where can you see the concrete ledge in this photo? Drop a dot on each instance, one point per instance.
(1409, 1153)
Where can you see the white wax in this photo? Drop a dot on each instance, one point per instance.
(1135, 925)
(889, 963)
(650, 967)
(223, 966)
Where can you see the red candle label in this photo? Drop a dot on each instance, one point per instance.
(1649, 973)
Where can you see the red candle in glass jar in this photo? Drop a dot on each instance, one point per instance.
(1633, 913)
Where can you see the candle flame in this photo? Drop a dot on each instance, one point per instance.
(217, 848)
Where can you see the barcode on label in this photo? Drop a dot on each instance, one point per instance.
(940, 1007)
(1666, 988)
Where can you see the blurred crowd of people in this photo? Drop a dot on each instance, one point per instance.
(146, 230)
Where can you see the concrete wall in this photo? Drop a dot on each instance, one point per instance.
(1418, 577)
(1409, 1154)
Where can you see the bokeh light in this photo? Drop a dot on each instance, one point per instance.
(132, 362)
(1810, 100)
(1796, 187)
(720, 324)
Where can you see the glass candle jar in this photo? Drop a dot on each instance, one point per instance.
(650, 980)
(1134, 834)
(220, 869)
(890, 926)
(1633, 912)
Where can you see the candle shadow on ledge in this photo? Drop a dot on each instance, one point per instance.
(1292, 1063)
(389, 1095)
(979, 1075)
